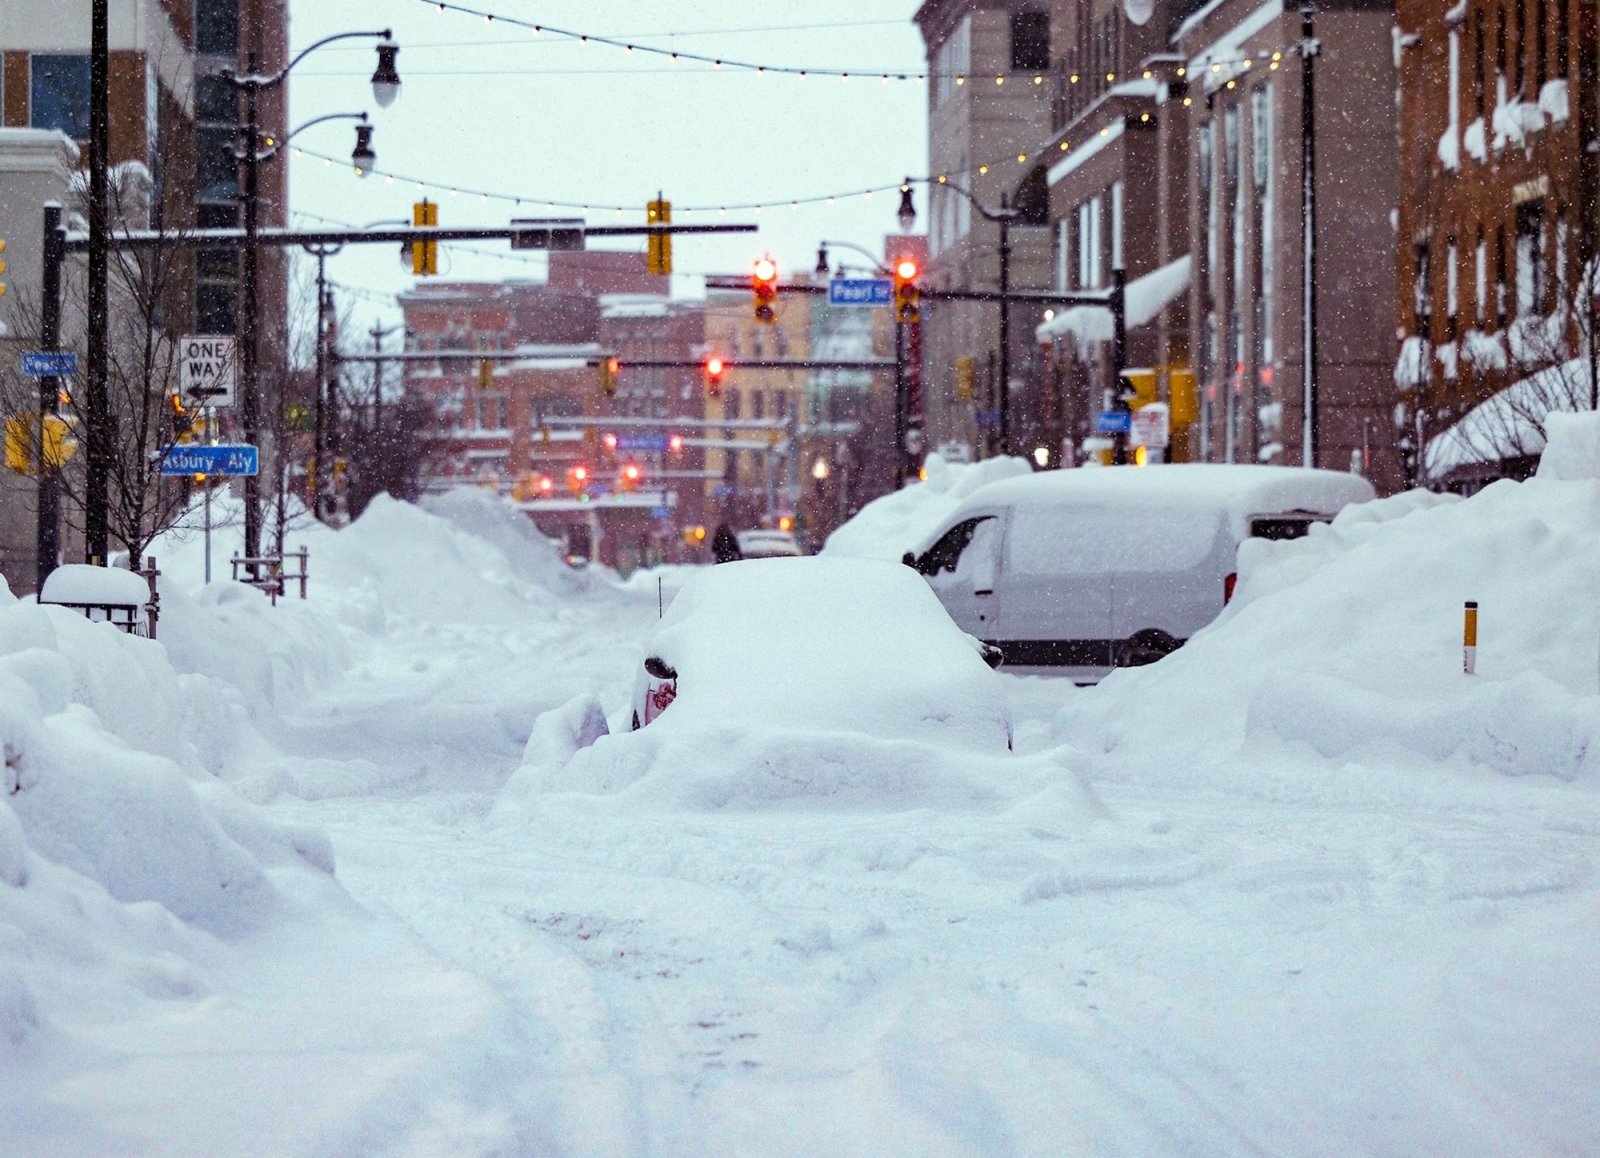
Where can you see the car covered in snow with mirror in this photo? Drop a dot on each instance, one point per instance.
(815, 644)
(1081, 571)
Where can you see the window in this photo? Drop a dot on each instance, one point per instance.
(1421, 292)
(1478, 85)
(1520, 48)
(216, 27)
(216, 170)
(59, 96)
(215, 102)
(954, 60)
(1452, 289)
(1089, 244)
(1116, 226)
(214, 311)
(945, 554)
(1481, 277)
(1541, 43)
(1266, 190)
(1500, 297)
(1530, 258)
(1030, 41)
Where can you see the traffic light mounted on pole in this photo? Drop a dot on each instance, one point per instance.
(907, 298)
(713, 368)
(764, 281)
(425, 253)
(2, 266)
(608, 375)
(659, 251)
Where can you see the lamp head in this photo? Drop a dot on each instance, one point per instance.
(363, 158)
(386, 80)
(908, 211)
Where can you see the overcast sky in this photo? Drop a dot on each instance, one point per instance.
(486, 106)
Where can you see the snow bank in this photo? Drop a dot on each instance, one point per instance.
(902, 521)
(119, 855)
(1347, 645)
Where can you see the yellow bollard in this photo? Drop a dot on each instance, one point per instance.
(1469, 639)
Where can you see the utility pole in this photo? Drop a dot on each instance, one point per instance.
(97, 410)
(1308, 244)
(1119, 361)
(1004, 218)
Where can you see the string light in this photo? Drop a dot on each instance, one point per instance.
(489, 17)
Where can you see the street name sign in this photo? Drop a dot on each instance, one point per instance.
(643, 442)
(860, 291)
(206, 369)
(1114, 422)
(223, 460)
(50, 364)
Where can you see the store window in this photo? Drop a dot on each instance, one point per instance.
(216, 27)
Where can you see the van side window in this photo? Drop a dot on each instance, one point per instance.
(1291, 526)
(945, 554)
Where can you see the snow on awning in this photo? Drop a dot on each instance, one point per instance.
(1511, 423)
(1144, 298)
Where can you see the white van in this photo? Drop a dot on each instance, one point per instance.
(1079, 571)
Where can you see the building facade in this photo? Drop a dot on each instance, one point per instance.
(989, 109)
(1500, 140)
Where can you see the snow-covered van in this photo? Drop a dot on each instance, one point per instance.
(1080, 571)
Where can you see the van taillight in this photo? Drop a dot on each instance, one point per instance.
(1228, 585)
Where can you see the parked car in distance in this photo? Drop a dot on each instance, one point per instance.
(819, 645)
(1081, 571)
(764, 544)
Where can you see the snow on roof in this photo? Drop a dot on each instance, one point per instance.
(1144, 298)
(1242, 490)
(83, 583)
(634, 306)
(1511, 423)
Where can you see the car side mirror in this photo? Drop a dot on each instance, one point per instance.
(992, 655)
(909, 559)
(658, 669)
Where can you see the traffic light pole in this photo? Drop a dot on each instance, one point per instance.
(49, 536)
(1119, 362)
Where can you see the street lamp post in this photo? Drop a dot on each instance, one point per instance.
(1003, 217)
(385, 87)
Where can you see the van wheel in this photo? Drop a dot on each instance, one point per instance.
(636, 721)
(1144, 647)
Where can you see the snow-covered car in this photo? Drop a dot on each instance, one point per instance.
(764, 544)
(846, 645)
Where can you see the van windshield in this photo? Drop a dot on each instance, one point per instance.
(1089, 540)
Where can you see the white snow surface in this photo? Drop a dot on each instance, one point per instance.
(902, 521)
(280, 883)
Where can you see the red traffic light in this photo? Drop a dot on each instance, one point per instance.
(630, 476)
(713, 371)
(675, 443)
(766, 270)
(905, 269)
(764, 280)
(611, 441)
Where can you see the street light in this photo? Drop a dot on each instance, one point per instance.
(1004, 216)
(385, 88)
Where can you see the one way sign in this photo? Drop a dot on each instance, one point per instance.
(206, 369)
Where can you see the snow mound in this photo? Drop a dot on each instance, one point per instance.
(120, 857)
(904, 520)
(1347, 644)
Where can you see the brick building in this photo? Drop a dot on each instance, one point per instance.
(1500, 139)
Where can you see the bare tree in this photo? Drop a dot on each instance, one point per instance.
(147, 287)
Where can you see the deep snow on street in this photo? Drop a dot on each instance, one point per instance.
(1296, 889)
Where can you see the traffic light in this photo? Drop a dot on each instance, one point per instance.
(485, 373)
(577, 479)
(714, 369)
(1137, 388)
(629, 478)
(424, 251)
(2, 266)
(675, 443)
(764, 281)
(182, 420)
(659, 255)
(608, 375)
(907, 307)
(966, 377)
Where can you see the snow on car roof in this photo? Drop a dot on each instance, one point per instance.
(1240, 489)
(859, 645)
